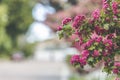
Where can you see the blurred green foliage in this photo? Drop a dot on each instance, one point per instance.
(28, 49)
(68, 57)
(15, 19)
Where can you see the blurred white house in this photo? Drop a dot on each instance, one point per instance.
(53, 50)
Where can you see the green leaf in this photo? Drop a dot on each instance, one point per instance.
(91, 48)
(76, 40)
(106, 26)
(90, 59)
(61, 35)
(99, 49)
(96, 43)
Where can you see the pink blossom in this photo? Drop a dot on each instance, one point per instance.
(115, 7)
(117, 64)
(82, 61)
(94, 36)
(104, 1)
(110, 36)
(105, 4)
(115, 71)
(96, 14)
(107, 42)
(96, 53)
(89, 43)
(75, 59)
(76, 24)
(59, 28)
(83, 46)
(78, 20)
(66, 21)
(99, 39)
(85, 53)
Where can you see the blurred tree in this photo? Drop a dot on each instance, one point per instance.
(5, 42)
(73, 2)
(56, 5)
(15, 18)
(20, 18)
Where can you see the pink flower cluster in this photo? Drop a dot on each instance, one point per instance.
(82, 60)
(59, 28)
(95, 37)
(96, 53)
(117, 64)
(108, 43)
(116, 70)
(85, 53)
(105, 41)
(75, 59)
(115, 7)
(105, 4)
(78, 20)
(89, 43)
(66, 21)
(96, 14)
(111, 36)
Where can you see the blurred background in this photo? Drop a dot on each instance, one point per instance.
(29, 46)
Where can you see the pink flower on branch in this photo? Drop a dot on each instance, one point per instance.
(115, 71)
(99, 39)
(108, 43)
(96, 14)
(78, 21)
(89, 43)
(94, 36)
(66, 21)
(117, 64)
(59, 28)
(105, 4)
(83, 61)
(96, 53)
(115, 7)
(85, 53)
(111, 36)
(75, 59)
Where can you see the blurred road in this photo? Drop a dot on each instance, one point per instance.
(33, 70)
